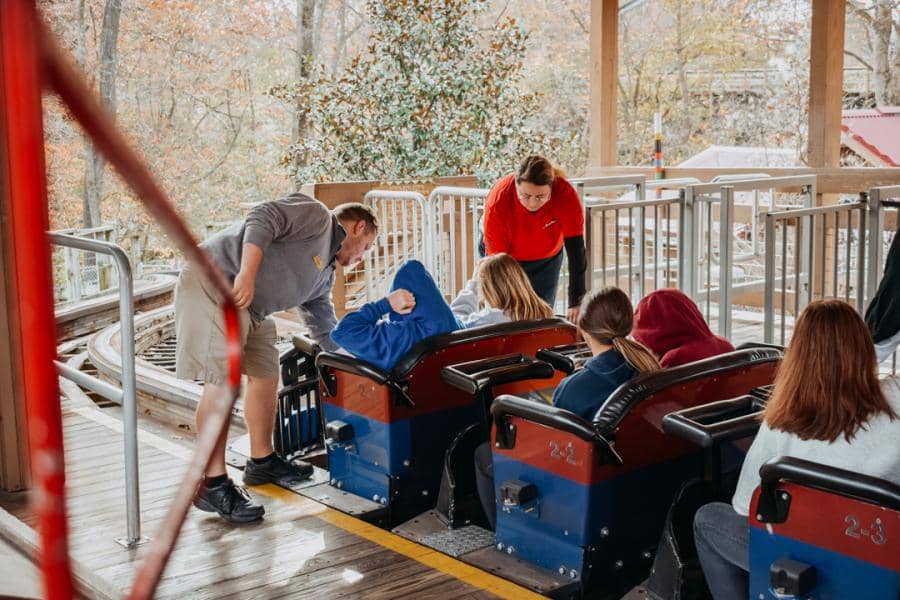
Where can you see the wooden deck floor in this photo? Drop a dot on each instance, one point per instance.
(301, 549)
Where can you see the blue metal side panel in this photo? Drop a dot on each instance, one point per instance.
(570, 517)
(839, 576)
(401, 460)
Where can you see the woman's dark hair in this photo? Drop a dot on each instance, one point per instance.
(538, 170)
(607, 316)
(827, 382)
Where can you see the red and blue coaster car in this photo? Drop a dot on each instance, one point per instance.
(387, 432)
(821, 532)
(596, 493)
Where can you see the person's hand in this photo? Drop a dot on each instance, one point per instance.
(402, 301)
(243, 289)
(573, 313)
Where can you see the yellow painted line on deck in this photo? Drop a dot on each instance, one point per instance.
(422, 554)
(417, 552)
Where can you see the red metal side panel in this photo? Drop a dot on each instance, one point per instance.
(839, 524)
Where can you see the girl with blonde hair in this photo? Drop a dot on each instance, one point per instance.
(498, 292)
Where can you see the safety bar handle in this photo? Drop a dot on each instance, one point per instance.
(480, 375)
(566, 358)
(712, 424)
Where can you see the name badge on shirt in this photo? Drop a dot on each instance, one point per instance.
(319, 264)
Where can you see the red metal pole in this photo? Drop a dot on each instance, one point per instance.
(65, 80)
(23, 138)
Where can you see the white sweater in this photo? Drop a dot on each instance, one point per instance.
(465, 308)
(874, 450)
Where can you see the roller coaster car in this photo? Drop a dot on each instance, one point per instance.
(387, 433)
(822, 532)
(599, 491)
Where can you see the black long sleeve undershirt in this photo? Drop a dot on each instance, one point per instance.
(575, 253)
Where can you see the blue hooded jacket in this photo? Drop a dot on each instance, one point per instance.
(383, 342)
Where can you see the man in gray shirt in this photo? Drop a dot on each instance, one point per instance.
(283, 255)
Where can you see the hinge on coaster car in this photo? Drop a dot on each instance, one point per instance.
(774, 507)
(401, 391)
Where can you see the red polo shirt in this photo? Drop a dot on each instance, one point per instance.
(509, 227)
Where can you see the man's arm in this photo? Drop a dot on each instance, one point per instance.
(318, 315)
(245, 281)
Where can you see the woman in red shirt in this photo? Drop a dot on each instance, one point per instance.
(531, 215)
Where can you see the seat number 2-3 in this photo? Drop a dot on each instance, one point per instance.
(874, 532)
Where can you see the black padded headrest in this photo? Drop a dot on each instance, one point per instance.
(464, 336)
(617, 405)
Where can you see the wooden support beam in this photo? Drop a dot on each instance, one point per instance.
(604, 64)
(826, 78)
(13, 433)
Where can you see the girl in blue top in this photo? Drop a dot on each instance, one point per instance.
(605, 321)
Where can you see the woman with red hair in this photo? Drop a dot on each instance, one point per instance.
(828, 407)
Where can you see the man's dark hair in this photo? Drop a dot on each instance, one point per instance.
(356, 211)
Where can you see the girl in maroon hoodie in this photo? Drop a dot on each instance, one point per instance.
(670, 324)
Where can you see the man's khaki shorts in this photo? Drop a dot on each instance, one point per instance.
(200, 334)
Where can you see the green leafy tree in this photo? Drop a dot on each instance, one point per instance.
(432, 95)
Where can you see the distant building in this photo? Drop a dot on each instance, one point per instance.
(871, 136)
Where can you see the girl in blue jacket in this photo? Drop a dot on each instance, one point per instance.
(605, 321)
(381, 332)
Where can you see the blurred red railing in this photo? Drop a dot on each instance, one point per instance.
(30, 60)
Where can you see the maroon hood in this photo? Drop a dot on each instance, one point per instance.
(670, 324)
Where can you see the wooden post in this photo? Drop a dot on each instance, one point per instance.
(604, 63)
(826, 78)
(13, 433)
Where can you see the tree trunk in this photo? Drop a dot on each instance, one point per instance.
(94, 164)
(882, 26)
(305, 55)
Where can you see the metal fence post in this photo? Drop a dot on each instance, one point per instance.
(726, 218)
(769, 305)
(129, 387)
(873, 202)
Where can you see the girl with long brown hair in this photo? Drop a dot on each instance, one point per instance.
(499, 292)
(605, 321)
(828, 407)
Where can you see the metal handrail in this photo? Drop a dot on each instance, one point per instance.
(127, 395)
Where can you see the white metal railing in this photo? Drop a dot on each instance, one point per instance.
(710, 260)
(404, 233)
(127, 395)
(84, 275)
(456, 217)
(638, 244)
(813, 253)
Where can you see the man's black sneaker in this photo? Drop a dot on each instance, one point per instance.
(276, 470)
(233, 503)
